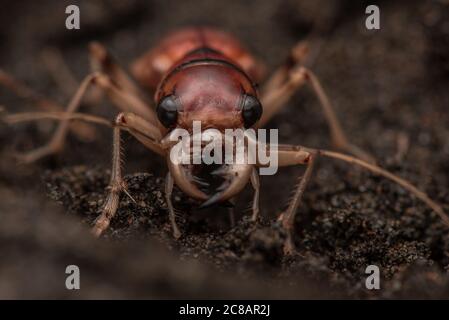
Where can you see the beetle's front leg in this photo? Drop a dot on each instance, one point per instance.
(287, 217)
(293, 155)
(171, 211)
(116, 185)
(256, 186)
(288, 155)
(146, 133)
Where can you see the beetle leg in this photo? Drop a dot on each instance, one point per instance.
(287, 217)
(231, 212)
(256, 185)
(102, 61)
(297, 55)
(120, 98)
(285, 82)
(52, 115)
(145, 133)
(141, 129)
(56, 143)
(117, 185)
(291, 155)
(81, 130)
(53, 60)
(171, 211)
(387, 174)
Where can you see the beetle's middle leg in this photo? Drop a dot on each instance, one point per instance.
(21, 90)
(123, 100)
(286, 81)
(56, 143)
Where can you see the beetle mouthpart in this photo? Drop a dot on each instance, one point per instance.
(235, 178)
(212, 200)
(185, 181)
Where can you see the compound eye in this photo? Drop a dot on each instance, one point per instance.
(167, 111)
(251, 110)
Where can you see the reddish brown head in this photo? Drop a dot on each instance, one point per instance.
(212, 91)
(207, 87)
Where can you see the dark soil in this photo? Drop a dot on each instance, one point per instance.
(388, 85)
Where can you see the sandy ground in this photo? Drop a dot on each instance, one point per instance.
(388, 85)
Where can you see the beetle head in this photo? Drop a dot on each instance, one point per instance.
(220, 97)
